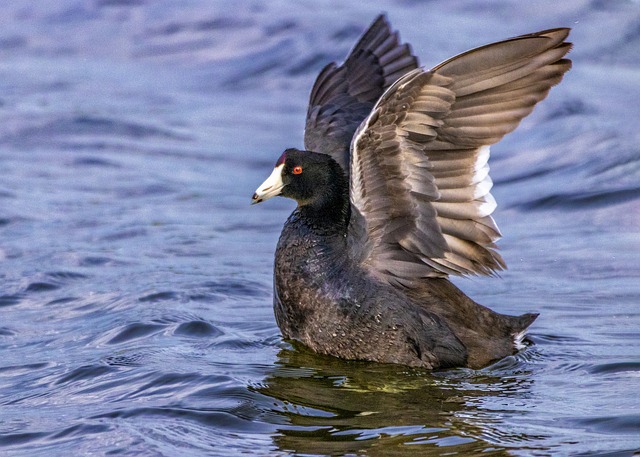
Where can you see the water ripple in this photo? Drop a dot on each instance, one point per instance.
(215, 419)
(583, 200)
(159, 296)
(10, 300)
(84, 373)
(198, 329)
(626, 424)
(94, 127)
(39, 286)
(14, 439)
(618, 367)
(132, 331)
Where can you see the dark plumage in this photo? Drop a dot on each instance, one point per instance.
(395, 197)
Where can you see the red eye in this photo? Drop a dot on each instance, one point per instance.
(297, 170)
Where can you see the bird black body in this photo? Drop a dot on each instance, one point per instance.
(393, 196)
(326, 300)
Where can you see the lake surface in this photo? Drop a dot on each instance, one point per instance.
(135, 279)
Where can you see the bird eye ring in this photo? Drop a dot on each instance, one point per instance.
(297, 170)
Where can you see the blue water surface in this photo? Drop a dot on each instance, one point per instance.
(135, 279)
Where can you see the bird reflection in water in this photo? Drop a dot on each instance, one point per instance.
(332, 406)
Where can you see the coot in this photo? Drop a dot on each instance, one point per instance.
(393, 196)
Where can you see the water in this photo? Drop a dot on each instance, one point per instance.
(135, 279)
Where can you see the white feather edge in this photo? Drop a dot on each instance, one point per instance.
(518, 339)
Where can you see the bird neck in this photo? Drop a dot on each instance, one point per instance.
(329, 212)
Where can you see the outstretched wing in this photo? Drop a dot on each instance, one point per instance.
(343, 96)
(419, 173)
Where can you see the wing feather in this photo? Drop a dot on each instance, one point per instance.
(343, 96)
(420, 183)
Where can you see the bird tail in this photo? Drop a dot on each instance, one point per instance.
(520, 326)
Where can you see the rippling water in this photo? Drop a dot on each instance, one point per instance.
(135, 280)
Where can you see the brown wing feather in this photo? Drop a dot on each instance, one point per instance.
(419, 164)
